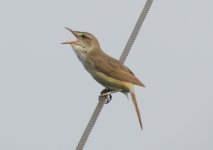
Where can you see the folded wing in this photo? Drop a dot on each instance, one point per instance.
(113, 68)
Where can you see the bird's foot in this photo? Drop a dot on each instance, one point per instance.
(107, 93)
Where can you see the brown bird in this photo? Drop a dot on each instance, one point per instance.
(106, 70)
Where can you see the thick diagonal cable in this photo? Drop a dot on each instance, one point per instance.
(102, 99)
(91, 123)
(135, 31)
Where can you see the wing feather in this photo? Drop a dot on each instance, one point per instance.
(113, 68)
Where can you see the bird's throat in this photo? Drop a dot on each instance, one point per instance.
(80, 52)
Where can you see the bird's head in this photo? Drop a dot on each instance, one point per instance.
(84, 43)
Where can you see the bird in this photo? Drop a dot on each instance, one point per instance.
(105, 69)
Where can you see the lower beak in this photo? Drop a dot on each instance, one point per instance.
(70, 42)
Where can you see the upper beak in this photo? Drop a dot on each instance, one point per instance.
(74, 33)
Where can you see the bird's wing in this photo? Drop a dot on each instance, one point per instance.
(113, 68)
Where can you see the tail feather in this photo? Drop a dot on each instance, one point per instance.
(136, 107)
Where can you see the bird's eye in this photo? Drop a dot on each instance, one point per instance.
(83, 36)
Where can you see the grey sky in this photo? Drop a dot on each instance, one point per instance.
(47, 97)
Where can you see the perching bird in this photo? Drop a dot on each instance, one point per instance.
(104, 69)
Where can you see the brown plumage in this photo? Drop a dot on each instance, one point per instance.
(104, 69)
(112, 67)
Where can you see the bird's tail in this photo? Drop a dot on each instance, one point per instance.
(132, 93)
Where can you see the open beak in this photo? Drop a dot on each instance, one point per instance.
(74, 33)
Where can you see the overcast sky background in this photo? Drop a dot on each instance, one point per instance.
(47, 97)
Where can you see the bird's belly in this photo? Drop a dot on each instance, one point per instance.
(111, 83)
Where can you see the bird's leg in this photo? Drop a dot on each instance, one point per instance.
(106, 93)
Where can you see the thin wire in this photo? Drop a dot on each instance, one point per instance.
(123, 57)
(135, 31)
